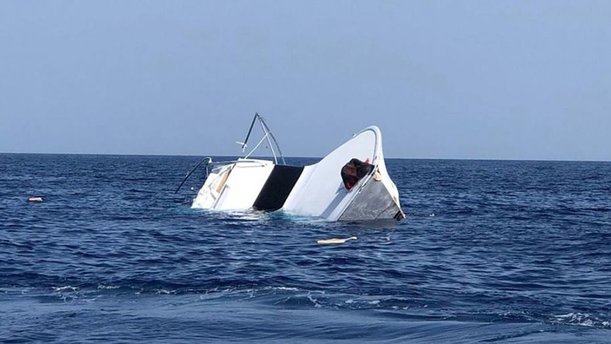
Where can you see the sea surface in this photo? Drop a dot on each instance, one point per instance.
(490, 251)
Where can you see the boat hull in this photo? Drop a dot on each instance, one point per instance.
(315, 190)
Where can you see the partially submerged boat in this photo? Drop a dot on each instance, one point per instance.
(349, 184)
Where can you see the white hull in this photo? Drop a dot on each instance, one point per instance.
(314, 190)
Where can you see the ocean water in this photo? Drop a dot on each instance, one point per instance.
(491, 251)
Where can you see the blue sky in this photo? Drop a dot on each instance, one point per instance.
(442, 79)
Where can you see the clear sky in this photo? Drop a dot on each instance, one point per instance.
(442, 79)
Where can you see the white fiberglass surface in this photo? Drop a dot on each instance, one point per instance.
(320, 190)
(242, 186)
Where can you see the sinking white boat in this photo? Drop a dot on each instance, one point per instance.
(349, 184)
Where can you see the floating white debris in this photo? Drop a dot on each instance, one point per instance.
(35, 199)
(335, 240)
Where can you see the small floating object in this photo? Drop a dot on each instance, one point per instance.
(335, 240)
(35, 199)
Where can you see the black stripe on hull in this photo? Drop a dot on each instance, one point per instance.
(277, 188)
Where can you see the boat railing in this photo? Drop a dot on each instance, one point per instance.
(267, 136)
(241, 160)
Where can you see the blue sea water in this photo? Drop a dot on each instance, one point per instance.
(491, 251)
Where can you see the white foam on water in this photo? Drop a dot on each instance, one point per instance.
(107, 287)
(284, 288)
(65, 288)
(581, 319)
(165, 291)
(314, 300)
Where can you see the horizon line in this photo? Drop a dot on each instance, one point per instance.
(305, 157)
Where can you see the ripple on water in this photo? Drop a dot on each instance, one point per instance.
(515, 252)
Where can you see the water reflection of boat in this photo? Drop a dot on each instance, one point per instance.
(349, 184)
